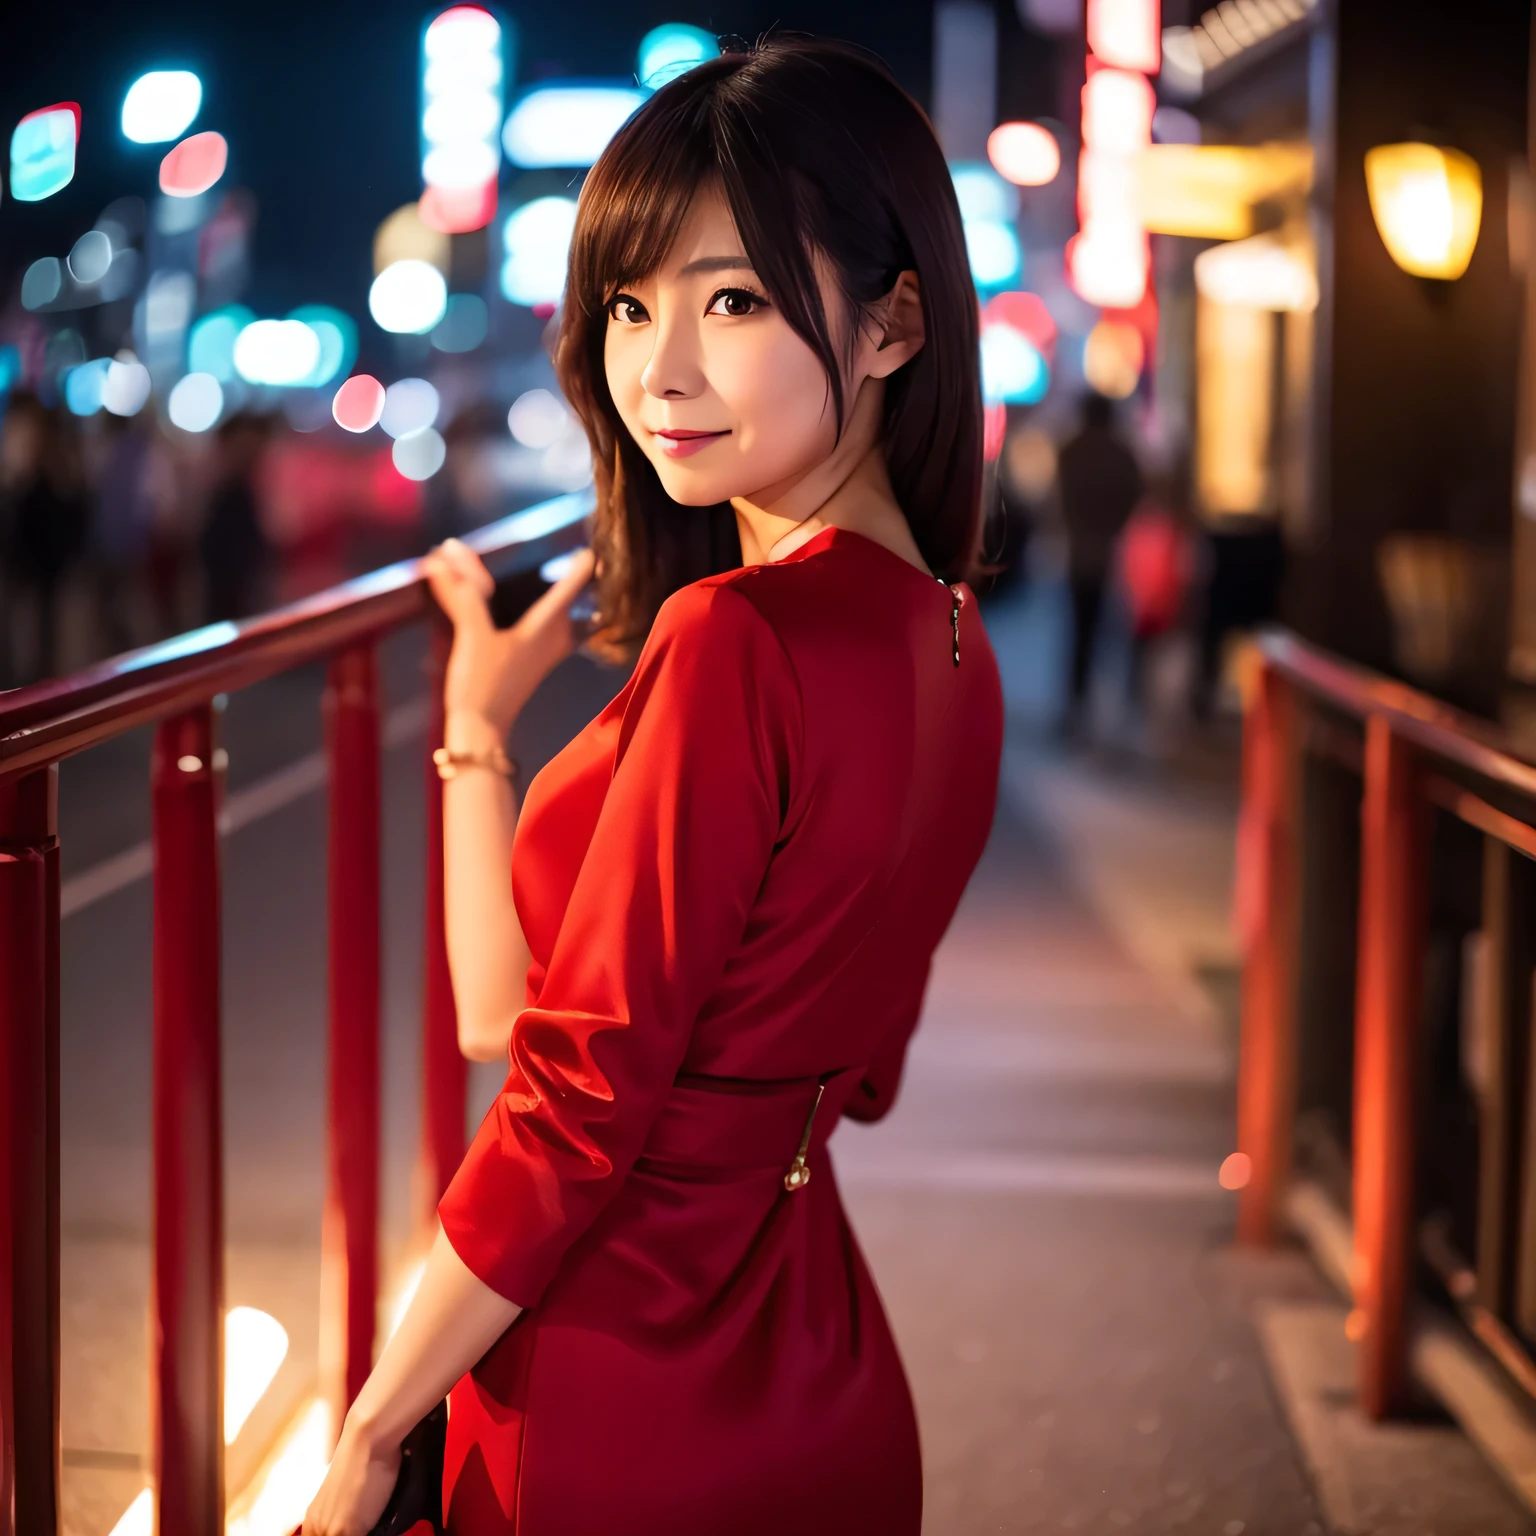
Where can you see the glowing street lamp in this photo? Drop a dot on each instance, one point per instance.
(1428, 204)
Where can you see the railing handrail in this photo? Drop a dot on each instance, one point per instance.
(1432, 725)
(54, 719)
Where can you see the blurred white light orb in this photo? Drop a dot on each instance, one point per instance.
(672, 49)
(1025, 153)
(409, 405)
(983, 194)
(537, 240)
(90, 257)
(276, 352)
(125, 389)
(408, 297)
(419, 454)
(995, 254)
(195, 402)
(560, 125)
(160, 106)
(537, 418)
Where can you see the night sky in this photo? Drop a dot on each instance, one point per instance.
(319, 103)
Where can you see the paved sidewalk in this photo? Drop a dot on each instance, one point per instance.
(1042, 1210)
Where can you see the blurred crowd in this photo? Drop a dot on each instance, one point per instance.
(1149, 594)
(119, 531)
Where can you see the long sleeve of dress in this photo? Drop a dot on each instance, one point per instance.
(710, 730)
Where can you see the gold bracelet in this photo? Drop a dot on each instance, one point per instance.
(450, 764)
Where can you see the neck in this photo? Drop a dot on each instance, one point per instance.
(849, 489)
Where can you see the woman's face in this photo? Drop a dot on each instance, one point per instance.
(721, 395)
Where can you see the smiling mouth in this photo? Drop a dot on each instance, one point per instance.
(679, 442)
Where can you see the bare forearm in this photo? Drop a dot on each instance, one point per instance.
(487, 955)
(452, 1320)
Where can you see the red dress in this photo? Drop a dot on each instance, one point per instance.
(731, 883)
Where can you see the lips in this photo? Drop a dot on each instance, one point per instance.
(681, 442)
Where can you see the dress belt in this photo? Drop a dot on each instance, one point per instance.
(712, 1126)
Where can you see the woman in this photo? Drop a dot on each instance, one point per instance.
(726, 891)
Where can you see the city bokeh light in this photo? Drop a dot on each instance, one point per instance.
(465, 324)
(1025, 153)
(1126, 33)
(359, 403)
(90, 257)
(161, 106)
(670, 50)
(409, 405)
(537, 418)
(125, 386)
(276, 352)
(195, 165)
(195, 402)
(211, 341)
(1113, 356)
(1012, 370)
(461, 90)
(43, 147)
(83, 386)
(337, 334)
(408, 297)
(42, 282)
(420, 454)
(555, 126)
(536, 240)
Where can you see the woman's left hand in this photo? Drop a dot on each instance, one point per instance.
(356, 1488)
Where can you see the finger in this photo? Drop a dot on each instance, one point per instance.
(469, 565)
(454, 594)
(564, 592)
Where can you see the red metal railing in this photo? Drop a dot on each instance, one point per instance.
(1417, 755)
(174, 684)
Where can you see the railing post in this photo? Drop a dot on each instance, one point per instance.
(29, 1154)
(1267, 860)
(187, 1302)
(349, 1261)
(445, 1074)
(1393, 846)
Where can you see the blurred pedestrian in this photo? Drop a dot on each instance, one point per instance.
(45, 513)
(1098, 486)
(233, 546)
(120, 525)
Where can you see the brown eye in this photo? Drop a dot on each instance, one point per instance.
(627, 310)
(735, 302)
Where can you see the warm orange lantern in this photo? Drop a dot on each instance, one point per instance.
(1427, 203)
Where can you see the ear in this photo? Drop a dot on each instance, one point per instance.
(896, 333)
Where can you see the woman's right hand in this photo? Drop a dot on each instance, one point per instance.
(493, 672)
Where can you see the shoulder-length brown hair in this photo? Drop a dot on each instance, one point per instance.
(818, 152)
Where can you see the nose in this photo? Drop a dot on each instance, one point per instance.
(674, 371)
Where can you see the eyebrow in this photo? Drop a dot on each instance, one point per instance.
(717, 264)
